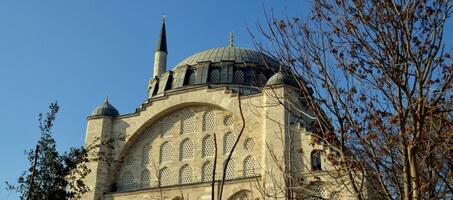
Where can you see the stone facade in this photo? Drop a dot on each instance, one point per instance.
(176, 144)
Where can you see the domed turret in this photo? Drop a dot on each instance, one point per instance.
(106, 109)
(280, 78)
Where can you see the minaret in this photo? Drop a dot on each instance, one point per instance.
(160, 56)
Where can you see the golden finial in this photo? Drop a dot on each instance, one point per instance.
(231, 40)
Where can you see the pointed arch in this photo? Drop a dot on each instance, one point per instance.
(206, 171)
(208, 123)
(249, 166)
(166, 152)
(186, 149)
(165, 177)
(185, 174)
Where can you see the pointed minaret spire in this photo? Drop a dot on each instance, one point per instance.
(160, 55)
(231, 40)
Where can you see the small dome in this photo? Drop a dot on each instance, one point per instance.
(280, 78)
(235, 54)
(105, 109)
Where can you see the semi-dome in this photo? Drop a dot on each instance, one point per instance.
(236, 54)
(105, 109)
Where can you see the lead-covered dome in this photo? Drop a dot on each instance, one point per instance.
(105, 109)
(236, 54)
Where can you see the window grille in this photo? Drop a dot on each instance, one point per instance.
(188, 122)
(146, 155)
(207, 146)
(208, 121)
(206, 171)
(129, 160)
(335, 196)
(261, 79)
(228, 142)
(127, 181)
(228, 120)
(168, 126)
(230, 170)
(166, 152)
(146, 179)
(165, 177)
(318, 192)
(238, 77)
(249, 166)
(316, 160)
(186, 149)
(249, 144)
(185, 174)
(245, 196)
(193, 78)
(215, 76)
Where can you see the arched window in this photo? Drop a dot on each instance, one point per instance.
(146, 155)
(188, 122)
(146, 179)
(228, 120)
(165, 177)
(249, 144)
(215, 76)
(335, 196)
(168, 126)
(206, 171)
(261, 80)
(186, 149)
(193, 78)
(185, 174)
(208, 121)
(316, 160)
(228, 142)
(207, 146)
(166, 152)
(238, 77)
(129, 160)
(318, 192)
(249, 166)
(230, 172)
(241, 195)
(127, 182)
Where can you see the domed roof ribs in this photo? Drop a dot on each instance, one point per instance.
(162, 42)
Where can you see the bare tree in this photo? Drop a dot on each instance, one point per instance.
(377, 78)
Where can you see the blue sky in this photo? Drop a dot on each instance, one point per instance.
(78, 52)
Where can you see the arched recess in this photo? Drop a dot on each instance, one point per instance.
(137, 140)
(241, 195)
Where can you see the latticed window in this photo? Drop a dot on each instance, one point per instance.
(249, 144)
(185, 175)
(245, 196)
(215, 76)
(318, 192)
(261, 79)
(146, 155)
(249, 166)
(166, 152)
(127, 182)
(316, 160)
(228, 142)
(129, 160)
(208, 121)
(168, 126)
(238, 77)
(230, 172)
(228, 120)
(335, 196)
(186, 149)
(207, 146)
(188, 122)
(206, 171)
(146, 178)
(193, 78)
(165, 177)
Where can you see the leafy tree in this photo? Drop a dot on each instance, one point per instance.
(55, 176)
(378, 79)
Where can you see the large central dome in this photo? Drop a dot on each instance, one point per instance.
(236, 54)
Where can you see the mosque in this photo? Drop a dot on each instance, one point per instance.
(218, 124)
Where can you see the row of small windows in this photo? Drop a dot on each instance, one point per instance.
(186, 150)
(186, 174)
(215, 77)
(188, 123)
